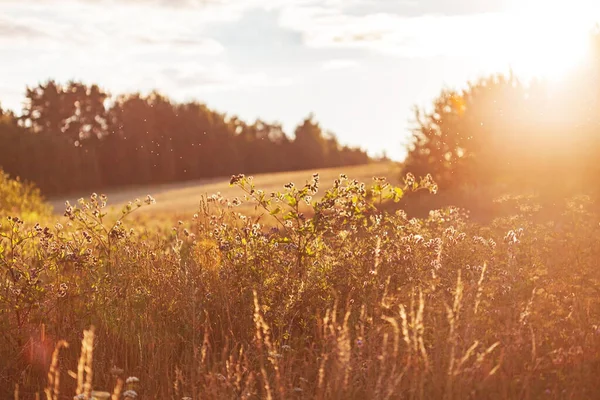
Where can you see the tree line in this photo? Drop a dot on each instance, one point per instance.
(502, 131)
(73, 136)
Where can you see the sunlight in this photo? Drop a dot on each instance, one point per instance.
(549, 38)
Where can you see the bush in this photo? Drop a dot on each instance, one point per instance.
(22, 199)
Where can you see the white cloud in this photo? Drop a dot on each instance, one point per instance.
(123, 48)
(216, 77)
(396, 35)
(338, 64)
(504, 33)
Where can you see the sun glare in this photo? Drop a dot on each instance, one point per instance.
(550, 38)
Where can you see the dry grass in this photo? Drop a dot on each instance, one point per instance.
(183, 198)
(352, 303)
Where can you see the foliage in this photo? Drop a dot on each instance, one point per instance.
(19, 198)
(326, 297)
(81, 138)
(540, 136)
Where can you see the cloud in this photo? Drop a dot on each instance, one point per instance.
(416, 8)
(181, 44)
(338, 64)
(351, 7)
(396, 35)
(15, 30)
(217, 77)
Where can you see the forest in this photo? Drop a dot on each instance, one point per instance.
(77, 137)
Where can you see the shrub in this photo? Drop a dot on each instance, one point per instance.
(22, 199)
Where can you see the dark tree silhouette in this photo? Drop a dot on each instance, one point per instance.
(74, 137)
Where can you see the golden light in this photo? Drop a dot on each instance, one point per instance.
(550, 38)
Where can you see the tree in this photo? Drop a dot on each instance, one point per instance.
(310, 145)
(469, 135)
(76, 137)
(76, 111)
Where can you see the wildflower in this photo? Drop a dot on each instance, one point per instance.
(221, 377)
(235, 179)
(87, 236)
(132, 379)
(62, 290)
(291, 246)
(130, 394)
(150, 200)
(68, 211)
(511, 237)
(297, 389)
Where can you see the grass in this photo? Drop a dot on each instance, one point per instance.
(345, 301)
(183, 198)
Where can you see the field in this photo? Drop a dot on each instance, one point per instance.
(328, 297)
(182, 199)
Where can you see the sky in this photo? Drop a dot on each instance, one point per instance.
(361, 66)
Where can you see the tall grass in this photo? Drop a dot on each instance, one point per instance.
(350, 303)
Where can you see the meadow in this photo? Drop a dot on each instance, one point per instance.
(183, 198)
(320, 289)
(198, 270)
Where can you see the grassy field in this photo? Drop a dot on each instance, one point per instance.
(183, 198)
(345, 301)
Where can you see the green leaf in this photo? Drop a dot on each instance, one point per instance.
(398, 194)
(275, 211)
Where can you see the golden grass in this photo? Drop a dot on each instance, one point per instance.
(354, 303)
(183, 198)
